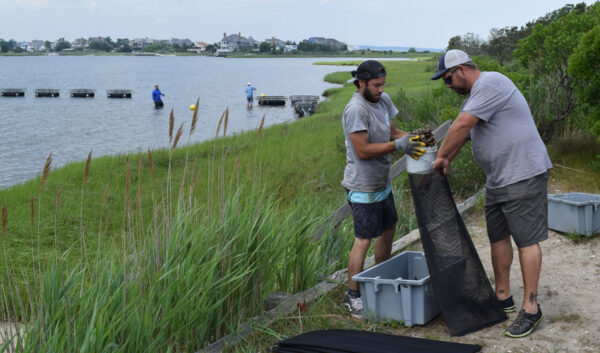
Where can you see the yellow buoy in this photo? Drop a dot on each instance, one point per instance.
(192, 107)
(262, 94)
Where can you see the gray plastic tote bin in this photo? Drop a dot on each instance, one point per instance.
(398, 289)
(575, 212)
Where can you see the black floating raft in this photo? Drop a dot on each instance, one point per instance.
(12, 92)
(82, 93)
(271, 100)
(118, 93)
(304, 105)
(47, 92)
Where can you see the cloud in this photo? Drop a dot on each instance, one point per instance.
(161, 20)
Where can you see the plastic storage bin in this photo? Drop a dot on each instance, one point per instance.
(575, 212)
(398, 289)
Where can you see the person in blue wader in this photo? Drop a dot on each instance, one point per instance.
(156, 97)
(250, 95)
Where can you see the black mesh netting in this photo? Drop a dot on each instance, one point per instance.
(461, 287)
(351, 341)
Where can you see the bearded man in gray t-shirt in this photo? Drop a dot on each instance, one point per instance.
(370, 137)
(507, 146)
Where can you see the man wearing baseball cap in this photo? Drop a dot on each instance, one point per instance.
(507, 146)
(250, 95)
(370, 137)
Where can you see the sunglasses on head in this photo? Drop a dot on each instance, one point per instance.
(448, 79)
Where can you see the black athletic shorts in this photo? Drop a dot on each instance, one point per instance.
(371, 219)
(520, 210)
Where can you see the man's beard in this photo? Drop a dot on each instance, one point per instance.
(370, 97)
(461, 90)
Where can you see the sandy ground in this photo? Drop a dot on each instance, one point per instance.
(568, 293)
(7, 329)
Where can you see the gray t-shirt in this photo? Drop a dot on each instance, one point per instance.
(505, 142)
(367, 175)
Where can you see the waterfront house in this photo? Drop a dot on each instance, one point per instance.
(234, 42)
(138, 44)
(198, 47)
(79, 43)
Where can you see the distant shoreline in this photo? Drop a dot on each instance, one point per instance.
(354, 54)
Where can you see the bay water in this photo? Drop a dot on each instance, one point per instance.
(31, 127)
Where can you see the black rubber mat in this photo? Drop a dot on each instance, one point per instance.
(351, 341)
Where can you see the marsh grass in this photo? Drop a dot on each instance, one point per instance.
(193, 276)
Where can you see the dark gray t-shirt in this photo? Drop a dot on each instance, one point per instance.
(367, 175)
(505, 142)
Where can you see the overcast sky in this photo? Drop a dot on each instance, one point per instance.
(423, 24)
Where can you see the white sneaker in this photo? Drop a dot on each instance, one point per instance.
(355, 305)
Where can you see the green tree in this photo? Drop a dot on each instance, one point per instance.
(546, 54)
(122, 46)
(470, 43)
(48, 45)
(503, 41)
(62, 44)
(264, 47)
(584, 66)
(412, 50)
(211, 48)
(99, 45)
(3, 46)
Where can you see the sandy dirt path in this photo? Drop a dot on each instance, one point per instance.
(569, 295)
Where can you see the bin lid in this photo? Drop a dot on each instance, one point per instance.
(576, 198)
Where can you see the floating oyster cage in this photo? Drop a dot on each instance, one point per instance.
(271, 100)
(118, 93)
(297, 98)
(47, 92)
(82, 93)
(12, 92)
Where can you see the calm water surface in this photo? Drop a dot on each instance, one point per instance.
(31, 128)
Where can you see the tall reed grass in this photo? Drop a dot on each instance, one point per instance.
(192, 276)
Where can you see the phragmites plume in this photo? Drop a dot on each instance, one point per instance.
(220, 122)
(86, 171)
(177, 136)
(31, 212)
(171, 125)
(195, 117)
(262, 124)
(150, 164)
(4, 219)
(226, 120)
(46, 171)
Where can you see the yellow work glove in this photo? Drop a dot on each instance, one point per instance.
(409, 145)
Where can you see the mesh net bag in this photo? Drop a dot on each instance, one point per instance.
(462, 289)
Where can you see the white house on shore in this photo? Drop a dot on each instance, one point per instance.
(232, 42)
(198, 47)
